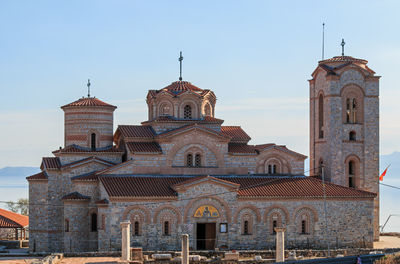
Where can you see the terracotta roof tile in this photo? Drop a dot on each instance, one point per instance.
(75, 196)
(91, 176)
(236, 133)
(88, 101)
(294, 187)
(144, 147)
(133, 131)
(254, 186)
(180, 87)
(263, 146)
(78, 149)
(10, 219)
(88, 159)
(140, 186)
(192, 126)
(206, 119)
(50, 163)
(344, 59)
(38, 176)
(241, 148)
(104, 201)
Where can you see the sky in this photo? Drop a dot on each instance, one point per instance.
(255, 55)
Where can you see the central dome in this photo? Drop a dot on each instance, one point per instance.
(180, 87)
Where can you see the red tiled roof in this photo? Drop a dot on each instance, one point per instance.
(254, 186)
(200, 178)
(88, 159)
(189, 127)
(91, 176)
(133, 131)
(12, 220)
(263, 146)
(78, 149)
(236, 133)
(140, 186)
(295, 187)
(38, 176)
(344, 59)
(88, 101)
(50, 163)
(206, 119)
(180, 87)
(144, 147)
(75, 196)
(241, 148)
(104, 201)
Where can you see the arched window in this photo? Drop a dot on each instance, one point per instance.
(352, 136)
(166, 228)
(351, 110)
(304, 226)
(93, 141)
(352, 173)
(189, 160)
(272, 169)
(321, 116)
(274, 224)
(187, 112)
(207, 110)
(197, 160)
(246, 228)
(66, 225)
(136, 228)
(94, 222)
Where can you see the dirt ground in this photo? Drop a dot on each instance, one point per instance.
(385, 242)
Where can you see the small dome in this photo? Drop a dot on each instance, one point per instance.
(343, 59)
(180, 87)
(88, 101)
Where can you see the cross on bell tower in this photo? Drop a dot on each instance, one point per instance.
(180, 66)
(342, 44)
(88, 87)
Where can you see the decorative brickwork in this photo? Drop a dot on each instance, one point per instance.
(182, 172)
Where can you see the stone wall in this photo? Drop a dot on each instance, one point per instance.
(349, 221)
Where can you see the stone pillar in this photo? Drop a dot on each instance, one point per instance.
(280, 244)
(185, 249)
(126, 241)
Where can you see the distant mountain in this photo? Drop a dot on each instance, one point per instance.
(18, 171)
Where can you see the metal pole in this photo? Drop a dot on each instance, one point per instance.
(323, 39)
(325, 211)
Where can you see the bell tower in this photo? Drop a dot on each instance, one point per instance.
(344, 125)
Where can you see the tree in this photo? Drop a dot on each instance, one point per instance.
(20, 207)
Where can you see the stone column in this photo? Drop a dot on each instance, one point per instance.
(126, 241)
(280, 244)
(185, 249)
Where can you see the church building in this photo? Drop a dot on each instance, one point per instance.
(182, 171)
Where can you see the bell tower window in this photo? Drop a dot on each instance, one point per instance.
(351, 174)
(187, 112)
(352, 136)
(351, 110)
(321, 116)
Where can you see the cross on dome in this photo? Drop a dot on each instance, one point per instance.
(180, 66)
(342, 44)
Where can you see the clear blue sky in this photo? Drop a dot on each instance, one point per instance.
(255, 55)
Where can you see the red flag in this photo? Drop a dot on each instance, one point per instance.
(383, 174)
